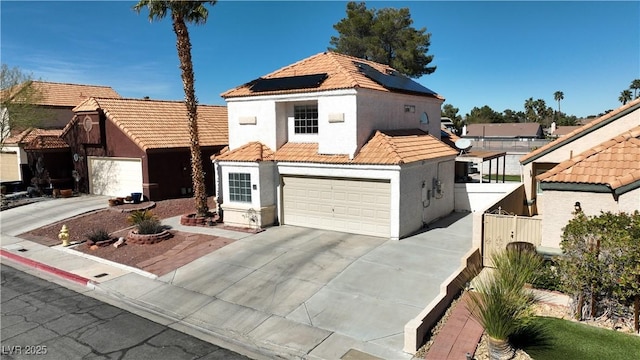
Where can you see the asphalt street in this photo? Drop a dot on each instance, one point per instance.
(43, 320)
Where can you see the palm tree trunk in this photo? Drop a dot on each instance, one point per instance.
(183, 44)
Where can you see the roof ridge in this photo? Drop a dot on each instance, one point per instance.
(342, 69)
(63, 83)
(391, 147)
(151, 100)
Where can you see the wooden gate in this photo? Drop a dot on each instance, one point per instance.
(501, 228)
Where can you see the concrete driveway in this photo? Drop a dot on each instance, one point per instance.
(288, 292)
(321, 292)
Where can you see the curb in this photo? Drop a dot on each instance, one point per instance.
(46, 268)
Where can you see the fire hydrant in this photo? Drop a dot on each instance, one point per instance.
(64, 235)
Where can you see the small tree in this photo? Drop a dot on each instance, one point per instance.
(625, 96)
(18, 102)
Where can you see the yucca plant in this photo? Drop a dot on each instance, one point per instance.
(138, 216)
(500, 303)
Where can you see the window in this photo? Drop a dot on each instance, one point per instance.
(305, 119)
(240, 187)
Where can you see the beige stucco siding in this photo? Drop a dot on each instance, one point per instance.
(420, 205)
(562, 208)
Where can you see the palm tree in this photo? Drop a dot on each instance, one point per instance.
(558, 96)
(635, 85)
(183, 12)
(625, 97)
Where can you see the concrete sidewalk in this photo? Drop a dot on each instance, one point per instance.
(287, 292)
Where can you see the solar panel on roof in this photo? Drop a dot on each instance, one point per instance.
(394, 81)
(289, 83)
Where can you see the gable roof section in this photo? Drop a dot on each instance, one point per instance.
(155, 124)
(581, 131)
(343, 72)
(389, 147)
(69, 95)
(30, 134)
(46, 142)
(614, 164)
(250, 152)
(511, 130)
(564, 130)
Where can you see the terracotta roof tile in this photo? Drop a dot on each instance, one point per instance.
(342, 71)
(154, 124)
(30, 134)
(391, 147)
(69, 95)
(42, 142)
(251, 152)
(569, 137)
(615, 163)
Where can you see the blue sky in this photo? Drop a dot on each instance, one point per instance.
(487, 53)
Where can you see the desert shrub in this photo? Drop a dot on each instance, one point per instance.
(548, 277)
(97, 234)
(140, 215)
(149, 226)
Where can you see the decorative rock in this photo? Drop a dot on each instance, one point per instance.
(94, 247)
(119, 243)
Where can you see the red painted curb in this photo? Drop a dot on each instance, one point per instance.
(44, 267)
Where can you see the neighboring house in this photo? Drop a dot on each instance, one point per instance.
(559, 131)
(577, 171)
(504, 131)
(121, 146)
(603, 178)
(56, 102)
(335, 142)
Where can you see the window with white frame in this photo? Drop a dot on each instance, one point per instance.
(240, 187)
(305, 119)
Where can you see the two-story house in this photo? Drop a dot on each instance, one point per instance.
(335, 142)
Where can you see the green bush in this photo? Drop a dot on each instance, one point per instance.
(149, 226)
(548, 277)
(138, 216)
(98, 234)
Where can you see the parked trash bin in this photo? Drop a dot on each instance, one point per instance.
(136, 197)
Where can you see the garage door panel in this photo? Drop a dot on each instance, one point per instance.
(115, 176)
(349, 205)
(9, 168)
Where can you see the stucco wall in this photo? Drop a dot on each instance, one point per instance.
(423, 204)
(562, 208)
(381, 110)
(511, 162)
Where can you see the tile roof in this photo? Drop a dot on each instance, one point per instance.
(69, 95)
(46, 142)
(30, 134)
(564, 130)
(503, 130)
(614, 163)
(389, 147)
(342, 71)
(252, 152)
(155, 124)
(587, 127)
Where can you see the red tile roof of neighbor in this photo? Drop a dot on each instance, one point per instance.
(504, 130)
(389, 147)
(569, 137)
(49, 142)
(30, 134)
(155, 124)
(342, 72)
(68, 95)
(614, 163)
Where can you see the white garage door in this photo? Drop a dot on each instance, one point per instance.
(115, 176)
(9, 168)
(357, 206)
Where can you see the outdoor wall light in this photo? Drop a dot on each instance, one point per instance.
(577, 206)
